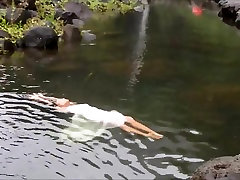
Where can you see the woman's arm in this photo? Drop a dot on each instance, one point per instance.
(59, 102)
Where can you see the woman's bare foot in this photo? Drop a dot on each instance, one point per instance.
(154, 135)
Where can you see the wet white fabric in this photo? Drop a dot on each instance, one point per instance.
(108, 118)
(89, 122)
(83, 130)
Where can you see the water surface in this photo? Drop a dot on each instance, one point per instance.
(173, 71)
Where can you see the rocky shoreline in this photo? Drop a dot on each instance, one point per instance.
(229, 12)
(45, 32)
(63, 20)
(43, 35)
(222, 168)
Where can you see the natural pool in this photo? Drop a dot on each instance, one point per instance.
(174, 72)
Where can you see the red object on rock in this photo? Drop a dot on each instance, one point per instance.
(197, 11)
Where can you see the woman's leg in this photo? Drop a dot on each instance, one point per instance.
(130, 129)
(140, 126)
(136, 131)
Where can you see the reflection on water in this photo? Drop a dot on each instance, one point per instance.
(138, 52)
(188, 90)
(82, 130)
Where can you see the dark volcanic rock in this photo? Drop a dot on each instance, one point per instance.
(40, 37)
(71, 33)
(230, 12)
(7, 45)
(80, 9)
(232, 4)
(4, 34)
(222, 168)
(68, 17)
(73, 11)
(18, 15)
(31, 5)
(237, 22)
(228, 16)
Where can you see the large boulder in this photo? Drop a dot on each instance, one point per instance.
(80, 9)
(222, 168)
(73, 11)
(230, 12)
(40, 37)
(68, 17)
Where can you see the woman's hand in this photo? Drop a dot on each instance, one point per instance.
(37, 97)
(59, 102)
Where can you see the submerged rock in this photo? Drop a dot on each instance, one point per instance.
(40, 37)
(222, 168)
(88, 37)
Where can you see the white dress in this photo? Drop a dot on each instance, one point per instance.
(89, 122)
(108, 118)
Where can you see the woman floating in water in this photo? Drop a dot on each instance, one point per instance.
(108, 118)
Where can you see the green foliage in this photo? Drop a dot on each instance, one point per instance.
(15, 30)
(46, 14)
(112, 5)
(45, 17)
(45, 9)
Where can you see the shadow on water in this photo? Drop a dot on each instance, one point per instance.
(175, 72)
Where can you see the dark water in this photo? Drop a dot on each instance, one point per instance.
(174, 72)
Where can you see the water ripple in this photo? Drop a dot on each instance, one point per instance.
(36, 143)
